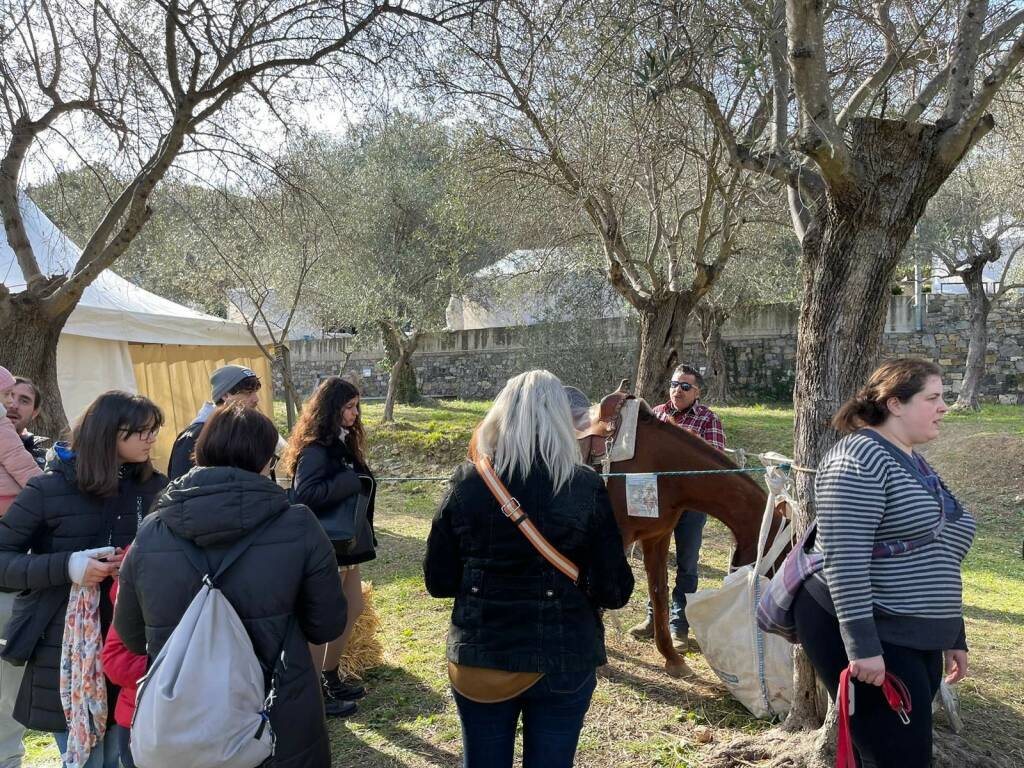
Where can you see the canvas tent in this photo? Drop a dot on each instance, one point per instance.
(123, 337)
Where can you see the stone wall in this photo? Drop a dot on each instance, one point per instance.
(760, 351)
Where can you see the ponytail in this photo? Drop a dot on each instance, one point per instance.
(901, 378)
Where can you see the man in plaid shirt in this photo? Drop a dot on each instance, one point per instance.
(684, 410)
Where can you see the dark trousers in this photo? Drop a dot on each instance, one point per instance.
(689, 535)
(124, 738)
(880, 738)
(553, 710)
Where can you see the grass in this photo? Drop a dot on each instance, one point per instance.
(639, 716)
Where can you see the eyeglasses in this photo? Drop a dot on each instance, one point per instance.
(683, 385)
(148, 435)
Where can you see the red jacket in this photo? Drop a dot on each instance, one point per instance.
(125, 669)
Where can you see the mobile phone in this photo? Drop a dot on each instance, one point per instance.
(101, 553)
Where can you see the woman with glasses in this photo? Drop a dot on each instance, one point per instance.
(284, 587)
(326, 455)
(889, 598)
(70, 526)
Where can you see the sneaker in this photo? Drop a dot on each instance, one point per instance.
(680, 638)
(336, 688)
(339, 708)
(644, 630)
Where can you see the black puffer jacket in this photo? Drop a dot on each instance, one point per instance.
(181, 452)
(326, 475)
(289, 570)
(53, 518)
(514, 610)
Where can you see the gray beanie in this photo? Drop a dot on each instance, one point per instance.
(223, 380)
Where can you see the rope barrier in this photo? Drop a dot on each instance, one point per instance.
(672, 473)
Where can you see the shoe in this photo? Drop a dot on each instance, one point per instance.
(339, 708)
(644, 630)
(681, 638)
(335, 688)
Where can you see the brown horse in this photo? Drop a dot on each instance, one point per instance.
(738, 500)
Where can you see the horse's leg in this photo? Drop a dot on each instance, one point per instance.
(655, 561)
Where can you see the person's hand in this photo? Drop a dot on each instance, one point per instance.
(870, 670)
(115, 558)
(97, 570)
(956, 665)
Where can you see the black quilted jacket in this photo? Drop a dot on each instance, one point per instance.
(53, 518)
(513, 610)
(287, 573)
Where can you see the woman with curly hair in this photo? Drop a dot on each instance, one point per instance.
(325, 457)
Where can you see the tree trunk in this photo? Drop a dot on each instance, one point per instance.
(849, 256)
(402, 379)
(292, 401)
(28, 347)
(716, 377)
(662, 329)
(979, 306)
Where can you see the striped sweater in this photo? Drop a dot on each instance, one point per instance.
(864, 496)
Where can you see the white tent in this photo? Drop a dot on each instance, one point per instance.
(120, 333)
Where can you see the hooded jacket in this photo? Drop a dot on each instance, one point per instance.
(17, 465)
(53, 518)
(289, 570)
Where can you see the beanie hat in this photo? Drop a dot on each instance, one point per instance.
(224, 379)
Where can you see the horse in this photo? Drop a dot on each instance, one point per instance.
(736, 499)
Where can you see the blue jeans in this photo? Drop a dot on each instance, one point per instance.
(553, 710)
(689, 535)
(106, 755)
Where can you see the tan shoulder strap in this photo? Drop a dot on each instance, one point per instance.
(513, 511)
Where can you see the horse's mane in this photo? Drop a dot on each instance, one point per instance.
(646, 416)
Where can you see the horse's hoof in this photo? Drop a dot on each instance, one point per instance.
(681, 669)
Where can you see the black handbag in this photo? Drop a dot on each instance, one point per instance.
(346, 522)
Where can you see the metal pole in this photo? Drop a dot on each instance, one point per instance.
(918, 288)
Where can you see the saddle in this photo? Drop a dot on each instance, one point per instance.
(611, 435)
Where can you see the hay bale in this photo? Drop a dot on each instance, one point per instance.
(364, 650)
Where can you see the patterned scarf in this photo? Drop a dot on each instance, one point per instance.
(83, 688)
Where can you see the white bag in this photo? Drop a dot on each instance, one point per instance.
(204, 703)
(757, 668)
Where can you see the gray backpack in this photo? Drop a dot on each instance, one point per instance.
(204, 702)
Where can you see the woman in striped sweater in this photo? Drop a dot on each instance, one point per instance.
(901, 613)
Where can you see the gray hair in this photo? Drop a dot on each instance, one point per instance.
(531, 416)
(579, 406)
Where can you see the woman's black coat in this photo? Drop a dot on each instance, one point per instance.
(326, 475)
(513, 610)
(288, 570)
(53, 518)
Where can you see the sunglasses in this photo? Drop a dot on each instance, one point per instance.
(683, 385)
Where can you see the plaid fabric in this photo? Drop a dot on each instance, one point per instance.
(775, 608)
(698, 418)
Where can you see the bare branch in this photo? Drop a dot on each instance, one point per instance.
(964, 61)
(818, 136)
(932, 88)
(975, 122)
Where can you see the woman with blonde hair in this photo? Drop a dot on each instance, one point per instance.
(525, 637)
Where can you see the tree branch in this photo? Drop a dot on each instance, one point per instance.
(818, 136)
(932, 88)
(974, 123)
